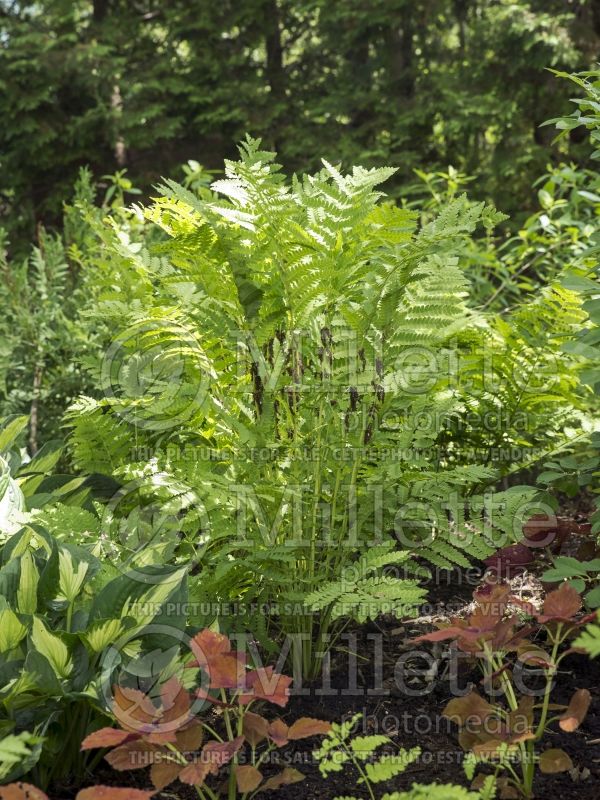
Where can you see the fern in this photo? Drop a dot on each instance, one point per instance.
(388, 766)
(267, 356)
(437, 791)
(589, 640)
(367, 598)
(16, 754)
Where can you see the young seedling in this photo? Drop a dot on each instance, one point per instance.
(340, 748)
(178, 744)
(506, 734)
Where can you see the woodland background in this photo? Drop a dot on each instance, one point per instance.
(147, 85)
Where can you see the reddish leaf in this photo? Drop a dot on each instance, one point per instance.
(503, 635)
(190, 738)
(175, 704)
(266, 684)
(213, 654)
(289, 775)
(506, 790)
(278, 732)
(576, 710)
(226, 672)
(441, 635)
(248, 778)
(207, 644)
(487, 622)
(21, 791)
(160, 736)
(107, 737)
(203, 695)
(113, 793)
(213, 756)
(532, 654)
(489, 747)
(472, 707)
(133, 709)
(195, 773)
(220, 753)
(305, 727)
(541, 530)
(163, 773)
(520, 721)
(467, 739)
(132, 755)
(255, 728)
(510, 561)
(561, 605)
(555, 761)
(492, 599)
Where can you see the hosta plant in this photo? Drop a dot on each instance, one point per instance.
(27, 483)
(505, 634)
(62, 612)
(178, 742)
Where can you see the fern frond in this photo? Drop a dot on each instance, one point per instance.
(388, 766)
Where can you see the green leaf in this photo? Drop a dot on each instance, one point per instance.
(15, 749)
(28, 584)
(592, 598)
(564, 567)
(45, 459)
(72, 576)
(10, 428)
(52, 648)
(149, 586)
(12, 631)
(591, 566)
(102, 633)
(578, 584)
(589, 640)
(38, 674)
(589, 195)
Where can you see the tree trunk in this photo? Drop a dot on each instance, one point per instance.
(116, 104)
(400, 56)
(274, 71)
(38, 373)
(100, 10)
(359, 58)
(461, 10)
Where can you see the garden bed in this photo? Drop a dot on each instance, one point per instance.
(413, 720)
